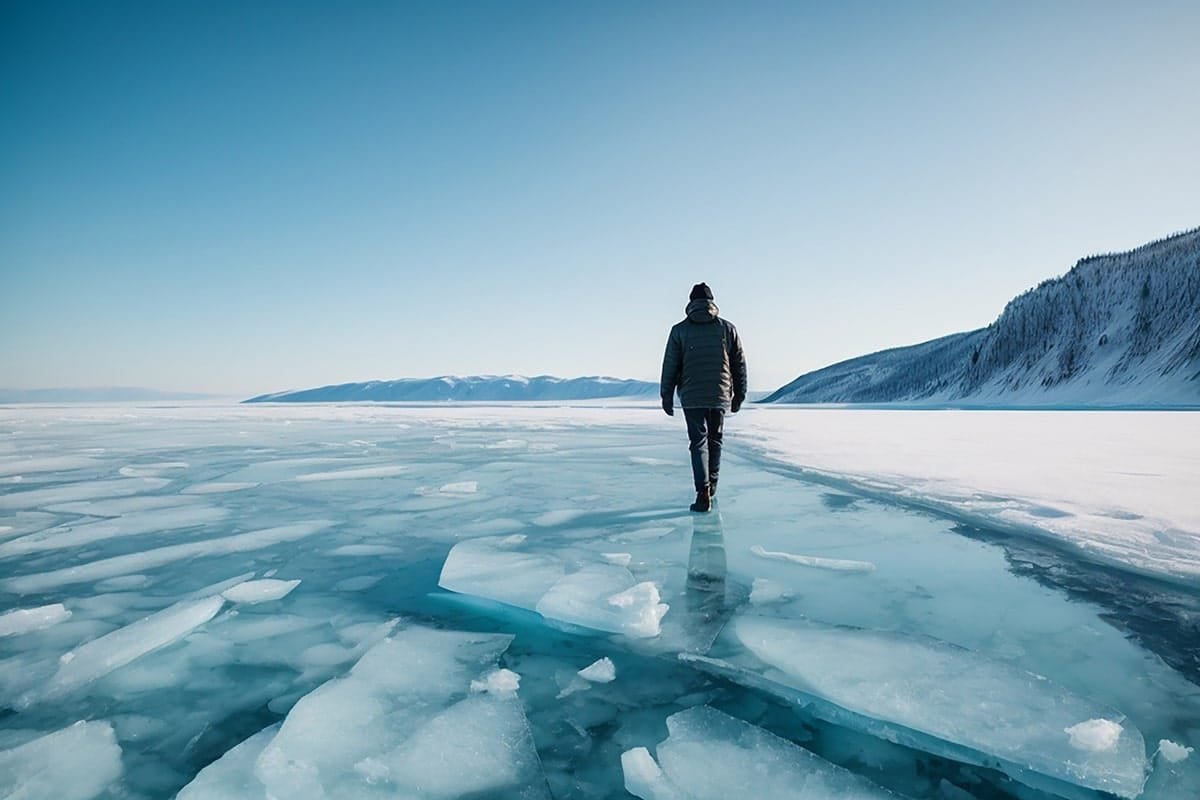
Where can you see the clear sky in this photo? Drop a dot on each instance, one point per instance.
(242, 197)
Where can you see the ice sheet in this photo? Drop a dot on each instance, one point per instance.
(98, 657)
(713, 756)
(24, 620)
(600, 596)
(611, 487)
(943, 699)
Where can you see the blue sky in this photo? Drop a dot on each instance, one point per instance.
(243, 197)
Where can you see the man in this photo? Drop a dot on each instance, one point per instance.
(704, 362)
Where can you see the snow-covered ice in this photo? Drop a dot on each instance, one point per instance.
(220, 621)
(1117, 486)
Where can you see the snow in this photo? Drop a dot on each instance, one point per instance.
(260, 591)
(1095, 735)
(499, 682)
(1174, 753)
(36, 769)
(1117, 487)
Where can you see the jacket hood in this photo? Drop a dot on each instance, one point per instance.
(702, 310)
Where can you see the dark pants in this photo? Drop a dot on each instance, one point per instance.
(704, 427)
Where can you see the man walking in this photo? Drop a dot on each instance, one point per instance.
(704, 362)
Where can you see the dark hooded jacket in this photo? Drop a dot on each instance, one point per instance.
(704, 360)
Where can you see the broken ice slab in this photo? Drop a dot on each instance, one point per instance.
(600, 596)
(231, 777)
(75, 763)
(424, 713)
(938, 698)
(27, 620)
(712, 756)
(652, 596)
(97, 658)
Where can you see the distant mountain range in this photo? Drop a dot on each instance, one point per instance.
(100, 394)
(1121, 329)
(480, 388)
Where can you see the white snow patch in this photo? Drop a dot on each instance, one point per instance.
(620, 559)
(600, 671)
(500, 682)
(25, 620)
(1172, 752)
(462, 487)
(1094, 735)
(260, 591)
(837, 564)
(652, 462)
(643, 600)
(1118, 486)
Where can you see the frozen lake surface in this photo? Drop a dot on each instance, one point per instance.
(318, 601)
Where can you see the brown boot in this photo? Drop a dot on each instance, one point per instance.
(703, 500)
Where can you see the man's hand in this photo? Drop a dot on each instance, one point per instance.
(736, 405)
(669, 406)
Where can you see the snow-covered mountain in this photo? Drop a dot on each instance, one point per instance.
(486, 388)
(1121, 329)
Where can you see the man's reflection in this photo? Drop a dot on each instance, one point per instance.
(706, 567)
